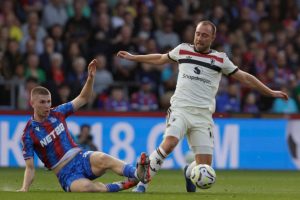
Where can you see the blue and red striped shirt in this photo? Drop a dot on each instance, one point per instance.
(51, 139)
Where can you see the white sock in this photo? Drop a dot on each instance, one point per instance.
(189, 169)
(157, 158)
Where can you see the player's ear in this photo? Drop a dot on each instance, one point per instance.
(31, 102)
(213, 37)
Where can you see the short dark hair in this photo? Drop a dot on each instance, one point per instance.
(213, 26)
(39, 90)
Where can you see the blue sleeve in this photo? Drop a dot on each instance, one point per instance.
(66, 109)
(27, 144)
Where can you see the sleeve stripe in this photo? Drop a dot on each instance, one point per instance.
(233, 72)
(171, 58)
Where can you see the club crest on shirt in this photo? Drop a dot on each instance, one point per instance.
(37, 128)
(212, 61)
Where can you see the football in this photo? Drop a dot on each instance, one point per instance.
(203, 176)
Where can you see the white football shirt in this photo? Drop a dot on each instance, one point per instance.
(199, 76)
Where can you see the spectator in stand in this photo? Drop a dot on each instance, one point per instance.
(33, 20)
(83, 5)
(32, 35)
(78, 27)
(100, 7)
(4, 37)
(218, 15)
(78, 77)
(6, 8)
(56, 32)
(19, 75)
(33, 70)
(62, 95)
(250, 105)
(23, 101)
(144, 33)
(160, 12)
(14, 27)
(188, 34)
(144, 99)
(292, 56)
(283, 73)
(117, 19)
(166, 37)
(54, 13)
(181, 19)
(228, 100)
(45, 58)
(56, 73)
(149, 71)
(85, 139)
(102, 35)
(169, 76)
(73, 52)
(32, 5)
(287, 107)
(117, 100)
(103, 77)
(124, 70)
(259, 65)
(129, 18)
(11, 58)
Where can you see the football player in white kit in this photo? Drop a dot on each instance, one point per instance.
(193, 103)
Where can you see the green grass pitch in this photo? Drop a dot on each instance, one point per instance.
(168, 184)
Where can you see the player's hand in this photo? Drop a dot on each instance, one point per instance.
(125, 55)
(92, 68)
(280, 94)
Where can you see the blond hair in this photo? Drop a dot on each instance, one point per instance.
(39, 90)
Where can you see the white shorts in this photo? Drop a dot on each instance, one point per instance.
(196, 123)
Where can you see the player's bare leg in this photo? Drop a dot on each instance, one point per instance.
(203, 159)
(101, 162)
(199, 159)
(86, 185)
(157, 158)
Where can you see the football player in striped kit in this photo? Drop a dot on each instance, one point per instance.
(193, 103)
(47, 134)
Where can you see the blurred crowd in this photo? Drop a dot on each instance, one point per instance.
(50, 42)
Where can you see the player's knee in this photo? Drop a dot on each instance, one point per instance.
(103, 161)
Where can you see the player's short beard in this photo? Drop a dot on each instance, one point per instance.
(203, 49)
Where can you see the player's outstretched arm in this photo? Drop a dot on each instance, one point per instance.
(254, 83)
(156, 59)
(28, 175)
(87, 89)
